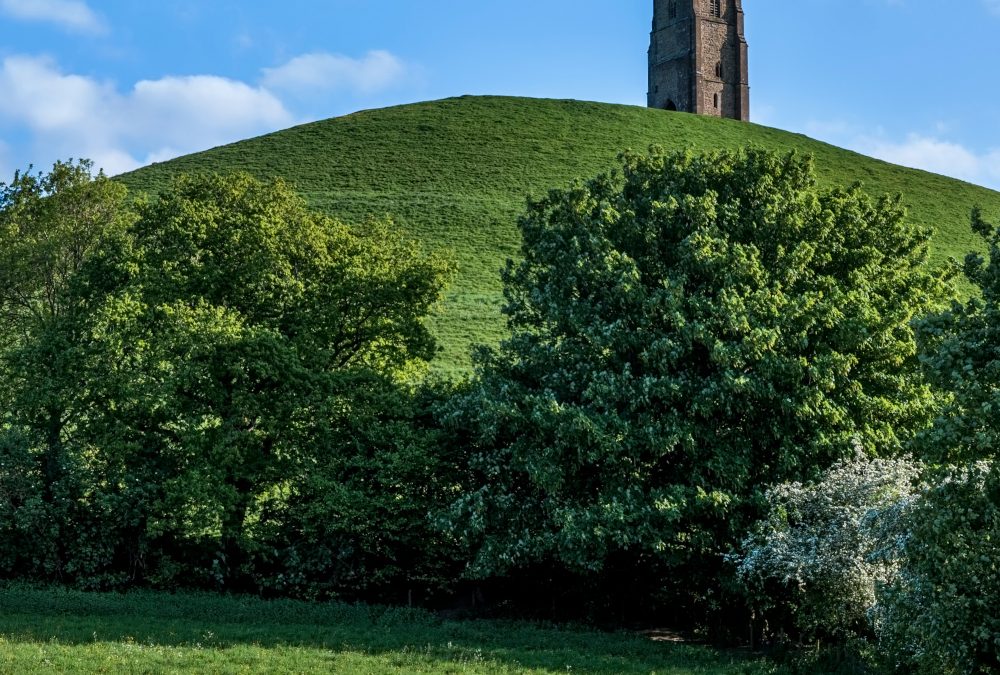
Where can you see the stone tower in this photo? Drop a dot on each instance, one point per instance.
(698, 58)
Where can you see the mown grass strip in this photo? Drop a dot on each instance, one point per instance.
(56, 630)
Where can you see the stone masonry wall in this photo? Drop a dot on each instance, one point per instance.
(685, 50)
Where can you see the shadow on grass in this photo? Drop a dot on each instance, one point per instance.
(199, 621)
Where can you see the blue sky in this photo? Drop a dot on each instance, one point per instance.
(128, 82)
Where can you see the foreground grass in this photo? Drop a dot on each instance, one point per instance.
(146, 632)
(455, 174)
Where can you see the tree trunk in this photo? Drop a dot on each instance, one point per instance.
(232, 532)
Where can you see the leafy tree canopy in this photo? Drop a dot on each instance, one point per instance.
(686, 333)
(49, 226)
(220, 346)
(936, 618)
(228, 330)
(49, 223)
(960, 348)
(941, 615)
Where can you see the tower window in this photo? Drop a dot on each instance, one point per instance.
(717, 8)
(716, 99)
(672, 9)
(718, 70)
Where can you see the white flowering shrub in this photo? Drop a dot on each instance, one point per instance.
(824, 549)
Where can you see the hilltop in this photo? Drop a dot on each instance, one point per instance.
(455, 174)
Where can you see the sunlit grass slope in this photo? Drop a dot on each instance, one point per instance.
(455, 174)
(55, 631)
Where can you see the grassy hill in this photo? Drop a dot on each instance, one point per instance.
(455, 174)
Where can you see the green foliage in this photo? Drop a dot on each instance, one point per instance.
(49, 225)
(46, 630)
(959, 351)
(354, 521)
(224, 356)
(685, 335)
(943, 615)
(28, 540)
(233, 350)
(454, 175)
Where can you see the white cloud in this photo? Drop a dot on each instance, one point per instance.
(73, 15)
(932, 152)
(938, 156)
(193, 111)
(72, 115)
(38, 94)
(320, 71)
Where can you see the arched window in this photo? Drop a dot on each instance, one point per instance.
(716, 97)
(718, 70)
(717, 8)
(672, 9)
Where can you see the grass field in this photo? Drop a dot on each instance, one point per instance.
(455, 174)
(53, 631)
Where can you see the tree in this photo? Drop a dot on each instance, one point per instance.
(215, 351)
(958, 348)
(942, 614)
(683, 336)
(223, 329)
(938, 617)
(49, 225)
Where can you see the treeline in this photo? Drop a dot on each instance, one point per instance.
(210, 390)
(728, 399)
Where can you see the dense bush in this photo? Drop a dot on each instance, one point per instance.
(825, 548)
(959, 348)
(684, 335)
(354, 522)
(191, 380)
(943, 613)
(27, 541)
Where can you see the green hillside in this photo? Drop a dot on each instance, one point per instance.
(455, 174)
